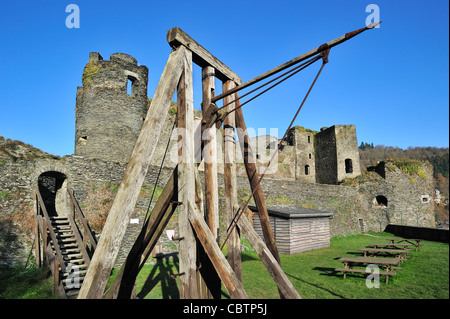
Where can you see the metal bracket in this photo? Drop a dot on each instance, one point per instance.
(324, 50)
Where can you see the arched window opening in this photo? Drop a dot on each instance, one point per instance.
(380, 201)
(306, 169)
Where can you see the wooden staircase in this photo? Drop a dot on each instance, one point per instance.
(74, 261)
(64, 243)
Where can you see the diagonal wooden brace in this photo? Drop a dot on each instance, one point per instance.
(221, 265)
(284, 285)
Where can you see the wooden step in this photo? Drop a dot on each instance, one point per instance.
(70, 250)
(59, 221)
(75, 261)
(68, 257)
(80, 273)
(66, 235)
(82, 266)
(70, 280)
(61, 228)
(58, 218)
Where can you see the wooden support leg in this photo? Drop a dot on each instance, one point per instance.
(186, 181)
(229, 124)
(150, 233)
(224, 270)
(209, 140)
(285, 287)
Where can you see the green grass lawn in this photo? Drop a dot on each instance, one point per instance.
(25, 283)
(424, 275)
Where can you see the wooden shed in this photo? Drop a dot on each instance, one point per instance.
(295, 228)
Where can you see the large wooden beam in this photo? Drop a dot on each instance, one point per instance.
(258, 196)
(151, 230)
(224, 270)
(200, 55)
(296, 60)
(229, 138)
(128, 192)
(209, 140)
(186, 181)
(283, 283)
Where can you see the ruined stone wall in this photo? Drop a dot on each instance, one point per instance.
(337, 155)
(355, 206)
(305, 166)
(326, 157)
(348, 165)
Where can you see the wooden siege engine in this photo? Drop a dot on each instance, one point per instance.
(202, 265)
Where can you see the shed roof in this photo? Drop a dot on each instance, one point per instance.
(292, 211)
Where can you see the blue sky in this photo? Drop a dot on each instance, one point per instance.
(391, 82)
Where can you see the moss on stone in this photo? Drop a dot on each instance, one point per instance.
(90, 70)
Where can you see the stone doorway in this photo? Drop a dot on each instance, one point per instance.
(53, 188)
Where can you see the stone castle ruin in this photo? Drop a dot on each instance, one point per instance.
(108, 117)
(112, 104)
(319, 170)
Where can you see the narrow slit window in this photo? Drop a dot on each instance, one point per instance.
(306, 169)
(129, 87)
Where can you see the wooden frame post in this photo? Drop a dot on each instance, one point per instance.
(186, 181)
(229, 138)
(209, 140)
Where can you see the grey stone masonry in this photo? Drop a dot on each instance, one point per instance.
(110, 107)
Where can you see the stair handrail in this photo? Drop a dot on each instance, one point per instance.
(87, 229)
(43, 209)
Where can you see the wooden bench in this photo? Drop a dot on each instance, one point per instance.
(391, 245)
(365, 271)
(387, 263)
(396, 253)
(412, 241)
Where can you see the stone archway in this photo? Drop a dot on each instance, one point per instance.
(380, 201)
(53, 188)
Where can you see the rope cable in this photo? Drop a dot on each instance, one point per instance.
(306, 64)
(239, 212)
(159, 172)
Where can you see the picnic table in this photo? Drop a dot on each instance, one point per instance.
(388, 265)
(402, 254)
(391, 245)
(415, 242)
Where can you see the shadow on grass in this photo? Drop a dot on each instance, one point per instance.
(327, 272)
(162, 272)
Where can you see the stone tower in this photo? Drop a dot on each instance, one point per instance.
(303, 142)
(337, 155)
(110, 107)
